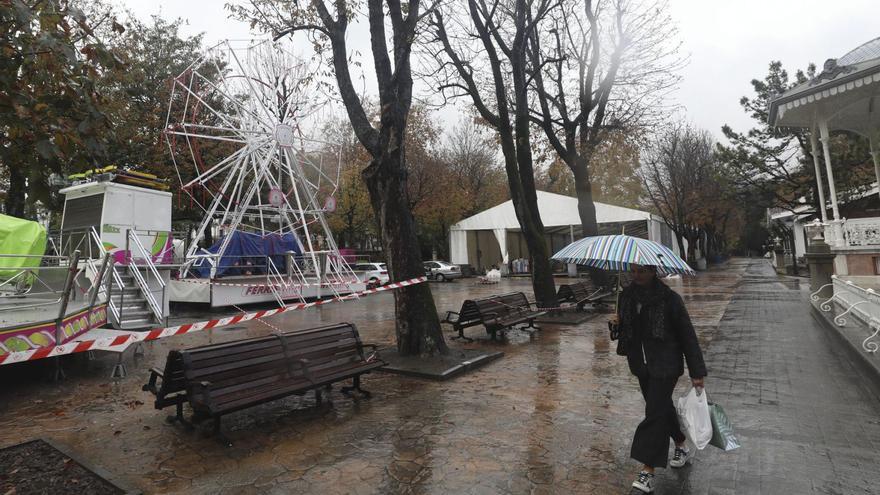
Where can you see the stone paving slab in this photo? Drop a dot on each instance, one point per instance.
(808, 419)
(554, 415)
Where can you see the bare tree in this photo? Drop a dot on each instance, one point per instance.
(493, 74)
(599, 67)
(473, 158)
(418, 327)
(677, 169)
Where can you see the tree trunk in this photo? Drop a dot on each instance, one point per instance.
(15, 195)
(692, 249)
(417, 325)
(533, 228)
(587, 211)
(526, 208)
(681, 250)
(542, 271)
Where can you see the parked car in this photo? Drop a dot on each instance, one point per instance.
(441, 271)
(374, 274)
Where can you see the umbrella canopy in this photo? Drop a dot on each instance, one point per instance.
(618, 252)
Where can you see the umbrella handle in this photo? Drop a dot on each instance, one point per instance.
(617, 296)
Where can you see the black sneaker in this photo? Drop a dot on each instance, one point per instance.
(645, 482)
(681, 458)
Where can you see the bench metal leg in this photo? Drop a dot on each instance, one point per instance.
(318, 397)
(530, 328)
(218, 434)
(119, 372)
(356, 385)
(461, 336)
(180, 418)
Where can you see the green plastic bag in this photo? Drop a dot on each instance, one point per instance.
(722, 430)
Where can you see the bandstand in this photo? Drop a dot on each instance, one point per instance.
(844, 97)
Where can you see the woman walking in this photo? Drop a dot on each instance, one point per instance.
(655, 332)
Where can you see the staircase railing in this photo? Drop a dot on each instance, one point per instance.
(275, 281)
(134, 245)
(103, 289)
(116, 311)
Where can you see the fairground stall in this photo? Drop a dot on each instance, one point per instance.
(44, 299)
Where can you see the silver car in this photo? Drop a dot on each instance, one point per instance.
(441, 271)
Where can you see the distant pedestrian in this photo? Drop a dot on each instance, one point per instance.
(655, 332)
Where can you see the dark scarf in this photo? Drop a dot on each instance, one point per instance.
(653, 300)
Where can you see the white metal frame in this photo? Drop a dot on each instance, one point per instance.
(257, 99)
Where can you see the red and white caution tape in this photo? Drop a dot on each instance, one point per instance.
(267, 284)
(119, 344)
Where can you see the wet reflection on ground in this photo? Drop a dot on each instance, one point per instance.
(554, 415)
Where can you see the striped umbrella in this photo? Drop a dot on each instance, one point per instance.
(618, 252)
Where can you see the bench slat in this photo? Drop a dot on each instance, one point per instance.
(229, 376)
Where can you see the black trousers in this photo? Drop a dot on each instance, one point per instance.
(651, 442)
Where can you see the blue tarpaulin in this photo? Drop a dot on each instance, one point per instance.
(247, 252)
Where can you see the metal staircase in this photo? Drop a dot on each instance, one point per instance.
(129, 300)
(132, 302)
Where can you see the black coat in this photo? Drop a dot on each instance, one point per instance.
(656, 349)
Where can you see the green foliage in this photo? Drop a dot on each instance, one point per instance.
(776, 163)
(79, 90)
(50, 115)
(769, 167)
(769, 159)
(136, 101)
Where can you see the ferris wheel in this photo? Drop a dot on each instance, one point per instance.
(241, 131)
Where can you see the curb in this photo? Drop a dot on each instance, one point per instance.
(449, 373)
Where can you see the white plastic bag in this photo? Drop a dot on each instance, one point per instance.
(693, 416)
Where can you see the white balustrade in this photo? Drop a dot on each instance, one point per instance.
(860, 232)
(860, 302)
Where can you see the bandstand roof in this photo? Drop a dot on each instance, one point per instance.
(846, 94)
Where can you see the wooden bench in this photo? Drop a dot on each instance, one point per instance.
(497, 313)
(222, 378)
(581, 294)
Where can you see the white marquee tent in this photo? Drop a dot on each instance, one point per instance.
(493, 237)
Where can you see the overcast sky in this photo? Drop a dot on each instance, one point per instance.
(728, 43)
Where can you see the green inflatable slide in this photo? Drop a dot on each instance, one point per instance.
(22, 237)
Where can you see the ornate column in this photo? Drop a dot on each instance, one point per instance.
(825, 138)
(819, 186)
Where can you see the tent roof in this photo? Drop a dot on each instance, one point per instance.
(556, 211)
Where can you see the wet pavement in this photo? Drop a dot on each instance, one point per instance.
(554, 415)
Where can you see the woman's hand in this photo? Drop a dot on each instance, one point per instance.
(615, 320)
(697, 382)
